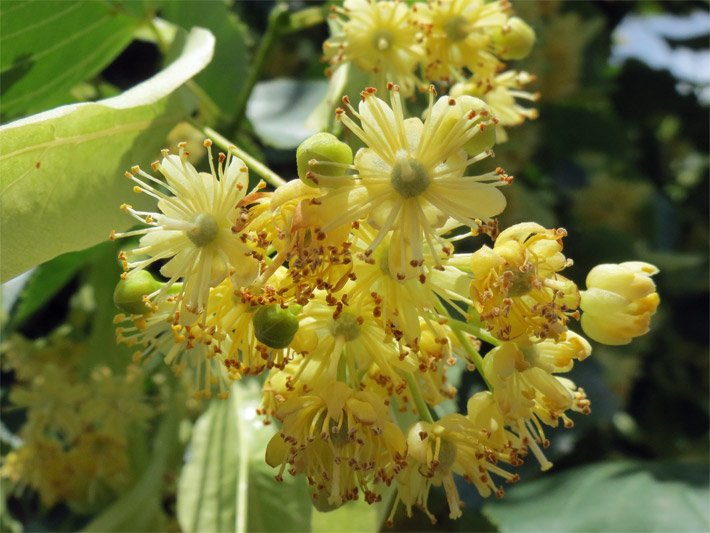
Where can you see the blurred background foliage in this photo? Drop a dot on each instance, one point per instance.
(618, 156)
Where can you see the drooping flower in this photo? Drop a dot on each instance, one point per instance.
(453, 445)
(193, 227)
(411, 175)
(619, 302)
(379, 37)
(517, 288)
(342, 439)
(528, 395)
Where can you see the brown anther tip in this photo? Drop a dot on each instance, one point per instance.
(423, 435)
(390, 85)
(182, 144)
(112, 235)
(345, 99)
(452, 101)
(155, 165)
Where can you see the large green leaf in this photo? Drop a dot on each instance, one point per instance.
(354, 517)
(618, 496)
(50, 46)
(226, 484)
(223, 78)
(61, 172)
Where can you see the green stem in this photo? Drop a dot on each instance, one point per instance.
(419, 401)
(277, 17)
(471, 351)
(257, 166)
(476, 331)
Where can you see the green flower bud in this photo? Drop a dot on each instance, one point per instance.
(515, 39)
(275, 326)
(129, 292)
(324, 148)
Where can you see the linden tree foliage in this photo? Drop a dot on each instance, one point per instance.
(225, 484)
(619, 496)
(39, 41)
(76, 155)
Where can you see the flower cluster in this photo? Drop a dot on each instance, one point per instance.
(352, 288)
(347, 288)
(459, 43)
(74, 444)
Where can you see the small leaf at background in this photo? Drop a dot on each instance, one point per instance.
(280, 109)
(46, 280)
(50, 46)
(224, 76)
(61, 172)
(226, 485)
(612, 496)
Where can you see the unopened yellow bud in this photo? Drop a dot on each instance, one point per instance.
(619, 302)
(322, 154)
(515, 39)
(131, 290)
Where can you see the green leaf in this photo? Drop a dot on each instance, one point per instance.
(61, 172)
(50, 46)
(46, 280)
(618, 496)
(280, 110)
(226, 485)
(354, 517)
(224, 77)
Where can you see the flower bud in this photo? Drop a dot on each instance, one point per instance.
(321, 149)
(275, 326)
(619, 301)
(451, 111)
(130, 292)
(515, 39)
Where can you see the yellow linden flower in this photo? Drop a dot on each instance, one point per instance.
(460, 34)
(527, 395)
(410, 176)
(437, 451)
(336, 335)
(516, 287)
(41, 464)
(52, 399)
(342, 439)
(404, 303)
(193, 228)
(619, 302)
(230, 316)
(181, 340)
(117, 401)
(558, 356)
(379, 37)
(294, 228)
(502, 93)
